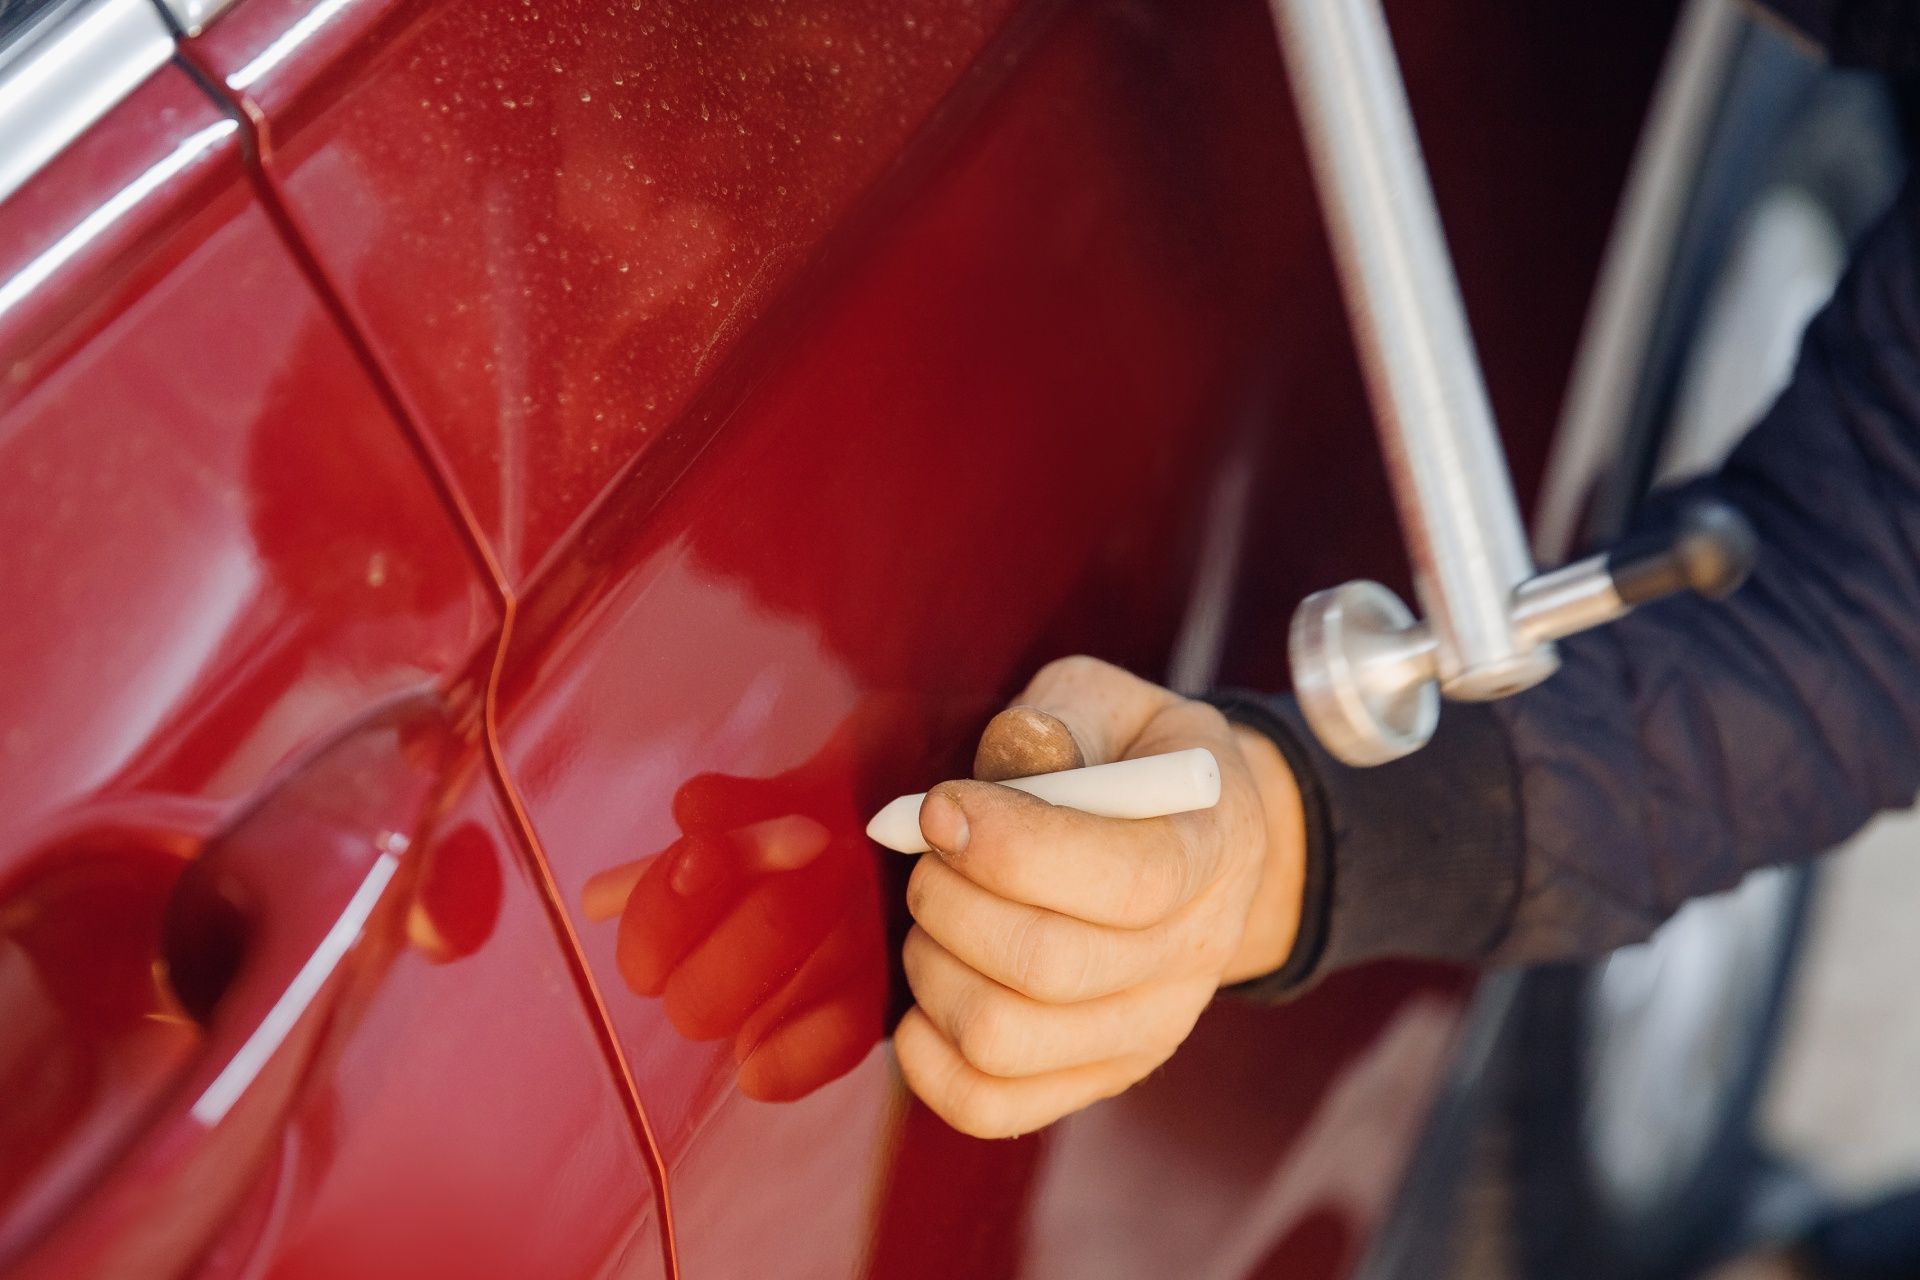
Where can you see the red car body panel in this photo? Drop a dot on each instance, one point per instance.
(554, 221)
(784, 382)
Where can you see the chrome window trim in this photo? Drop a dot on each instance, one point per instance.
(65, 70)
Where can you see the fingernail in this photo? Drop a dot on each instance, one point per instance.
(944, 823)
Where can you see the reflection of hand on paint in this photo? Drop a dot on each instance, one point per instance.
(762, 923)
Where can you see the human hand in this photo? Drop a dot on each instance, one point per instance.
(763, 923)
(1058, 958)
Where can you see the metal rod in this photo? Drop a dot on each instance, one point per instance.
(1571, 599)
(1449, 476)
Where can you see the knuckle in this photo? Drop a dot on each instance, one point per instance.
(972, 1107)
(1073, 678)
(920, 1069)
(1198, 948)
(913, 957)
(920, 891)
(1216, 949)
(931, 1071)
(1156, 886)
(988, 1037)
(1213, 720)
(1048, 963)
(1073, 666)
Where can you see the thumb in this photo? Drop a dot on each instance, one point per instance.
(1103, 709)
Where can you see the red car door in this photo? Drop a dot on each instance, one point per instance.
(821, 609)
(280, 990)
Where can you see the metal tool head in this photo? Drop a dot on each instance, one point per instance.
(1364, 673)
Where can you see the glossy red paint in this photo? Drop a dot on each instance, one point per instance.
(553, 221)
(223, 556)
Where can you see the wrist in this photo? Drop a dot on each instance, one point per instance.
(1273, 920)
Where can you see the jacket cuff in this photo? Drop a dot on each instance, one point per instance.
(1420, 857)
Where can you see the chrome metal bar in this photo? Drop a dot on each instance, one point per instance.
(72, 66)
(1368, 673)
(1568, 600)
(1449, 476)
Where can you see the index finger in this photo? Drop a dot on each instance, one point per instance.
(1124, 873)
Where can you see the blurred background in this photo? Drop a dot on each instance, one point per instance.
(1698, 1103)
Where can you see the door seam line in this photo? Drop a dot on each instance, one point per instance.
(255, 142)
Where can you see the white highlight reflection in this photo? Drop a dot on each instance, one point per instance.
(68, 72)
(254, 1055)
(286, 42)
(17, 288)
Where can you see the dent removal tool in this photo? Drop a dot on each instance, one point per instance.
(1368, 674)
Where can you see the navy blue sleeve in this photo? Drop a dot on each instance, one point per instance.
(1691, 742)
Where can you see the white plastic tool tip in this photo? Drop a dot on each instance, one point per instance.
(1150, 787)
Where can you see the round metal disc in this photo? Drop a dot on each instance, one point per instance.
(1361, 673)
